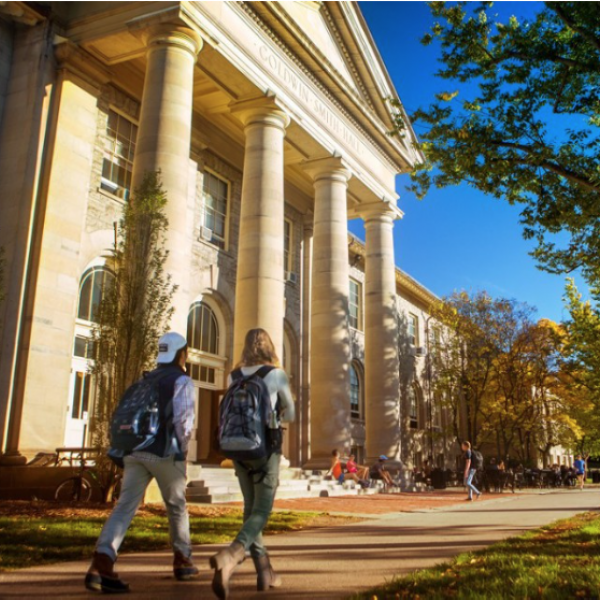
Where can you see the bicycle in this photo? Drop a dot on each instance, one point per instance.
(77, 488)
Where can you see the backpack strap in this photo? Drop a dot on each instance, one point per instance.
(264, 371)
(238, 374)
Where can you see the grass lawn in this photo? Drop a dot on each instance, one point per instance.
(559, 561)
(36, 533)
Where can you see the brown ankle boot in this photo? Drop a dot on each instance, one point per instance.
(224, 563)
(265, 576)
(183, 567)
(101, 576)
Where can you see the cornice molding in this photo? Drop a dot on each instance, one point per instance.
(73, 59)
(306, 72)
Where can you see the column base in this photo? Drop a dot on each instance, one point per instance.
(13, 460)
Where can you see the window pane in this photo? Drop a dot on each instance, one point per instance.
(215, 194)
(76, 396)
(203, 332)
(84, 299)
(354, 304)
(354, 393)
(80, 347)
(118, 159)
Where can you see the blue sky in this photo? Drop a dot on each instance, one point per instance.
(456, 238)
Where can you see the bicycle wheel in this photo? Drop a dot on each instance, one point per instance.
(74, 489)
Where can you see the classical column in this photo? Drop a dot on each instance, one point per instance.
(163, 143)
(260, 287)
(330, 342)
(382, 381)
(307, 253)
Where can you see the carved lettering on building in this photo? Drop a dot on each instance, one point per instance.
(302, 92)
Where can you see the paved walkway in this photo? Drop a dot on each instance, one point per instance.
(327, 563)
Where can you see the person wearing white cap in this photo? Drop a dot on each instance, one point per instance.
(163, 460)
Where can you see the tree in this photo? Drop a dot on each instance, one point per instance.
(462, 361)
(500, 372)
(135, 310)
(522, 122)
(583, 363)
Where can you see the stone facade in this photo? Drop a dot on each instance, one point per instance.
(294, 140)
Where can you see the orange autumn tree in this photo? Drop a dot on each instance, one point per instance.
(501, 375)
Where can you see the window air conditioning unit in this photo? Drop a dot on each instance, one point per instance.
(291, 277)
(206, 233)
(420, 351)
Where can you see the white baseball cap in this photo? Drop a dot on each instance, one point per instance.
(168, 345)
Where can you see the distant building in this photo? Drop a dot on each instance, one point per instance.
(269, 123)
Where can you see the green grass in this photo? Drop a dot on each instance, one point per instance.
(38, 534)
(559, 561)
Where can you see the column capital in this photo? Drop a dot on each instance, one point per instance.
(263, 110)
(330, 167)
(379, 212)
(170, 34)
(308, 221)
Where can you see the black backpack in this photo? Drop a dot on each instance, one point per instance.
(139, 416)
(248, 425)
(476, 459)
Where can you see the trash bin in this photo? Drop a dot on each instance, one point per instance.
(438, 479)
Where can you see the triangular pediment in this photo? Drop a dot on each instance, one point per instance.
(333, 43)
(309, 18)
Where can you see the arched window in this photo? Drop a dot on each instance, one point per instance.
(413, 412)
(355, 393)
(202, 329)
(93, 285)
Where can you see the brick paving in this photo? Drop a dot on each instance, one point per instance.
(382, 503)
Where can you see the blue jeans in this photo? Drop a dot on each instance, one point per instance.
(259, 493)
(469, 484)
(171, 479)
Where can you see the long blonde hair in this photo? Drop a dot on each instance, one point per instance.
(258, 350)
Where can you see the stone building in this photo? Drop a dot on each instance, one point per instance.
(269, 123)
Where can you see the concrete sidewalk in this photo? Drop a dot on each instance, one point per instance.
(327, 563)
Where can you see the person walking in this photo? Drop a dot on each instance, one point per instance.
(579, 466)
(258, 478)
(164, 460)
(469, 471)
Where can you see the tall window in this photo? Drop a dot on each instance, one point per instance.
(355, 403)
(203, 330)
(413, 410)
(119, 148)
(287, 247)
(413, 330)
(355, 304)
(202, 335)
(93, 285)
(81, 395)
(215, 194)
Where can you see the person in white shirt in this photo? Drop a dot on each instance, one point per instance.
(258, 478)
(164, 460)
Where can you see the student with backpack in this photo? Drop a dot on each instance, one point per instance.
(471, 458)
(257, 401)
(157, 413)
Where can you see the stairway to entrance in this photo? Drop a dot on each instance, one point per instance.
(214, 485)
